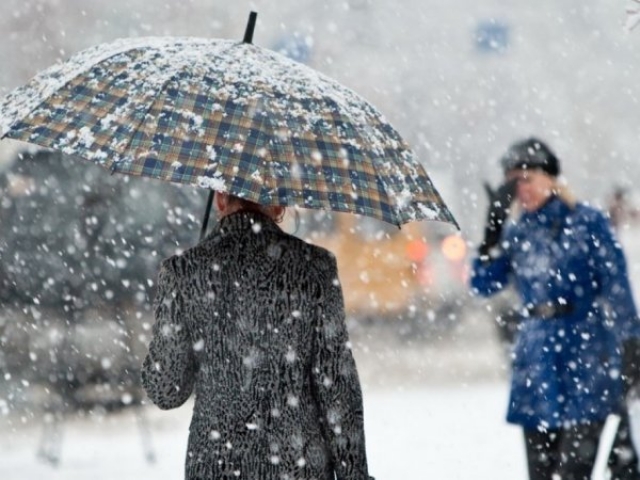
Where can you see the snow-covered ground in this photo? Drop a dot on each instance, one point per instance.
(432, 411)
(440, 432)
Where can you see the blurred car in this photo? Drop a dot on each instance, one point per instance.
(413, 278)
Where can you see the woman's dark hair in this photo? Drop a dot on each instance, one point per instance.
(251, 206)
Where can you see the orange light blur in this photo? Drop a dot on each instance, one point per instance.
(454, 248)
(417, 250)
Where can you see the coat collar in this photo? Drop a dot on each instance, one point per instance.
(245, 220)
(548, 213)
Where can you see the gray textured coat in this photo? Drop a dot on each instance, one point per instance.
(252, 320)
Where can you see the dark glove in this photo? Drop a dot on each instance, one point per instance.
(499, 203)
(631, 364)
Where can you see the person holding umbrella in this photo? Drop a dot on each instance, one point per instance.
(577, 352)
(252, 320)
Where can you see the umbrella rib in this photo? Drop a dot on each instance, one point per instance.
(80, 71)
(360, 130)
(272, 133)
(342, 103)
(150, 107)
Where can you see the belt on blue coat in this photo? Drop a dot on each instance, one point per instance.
(549, 310)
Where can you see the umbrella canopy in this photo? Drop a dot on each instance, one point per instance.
(227, 116)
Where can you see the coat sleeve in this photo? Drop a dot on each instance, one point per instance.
(336, 383)
(611, 274)
(168, 371)
(490, 276)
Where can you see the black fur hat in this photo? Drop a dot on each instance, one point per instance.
(531, 154)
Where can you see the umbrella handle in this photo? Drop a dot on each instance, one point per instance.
(207, 214)
(251, 25)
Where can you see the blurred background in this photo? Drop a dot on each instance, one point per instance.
(460, 81)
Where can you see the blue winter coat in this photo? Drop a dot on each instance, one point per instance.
(565, 369)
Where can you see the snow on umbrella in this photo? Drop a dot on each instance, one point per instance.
(227, 116)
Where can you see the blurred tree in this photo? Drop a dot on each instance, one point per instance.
(79, 251)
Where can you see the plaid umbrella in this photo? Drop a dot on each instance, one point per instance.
(227, 116)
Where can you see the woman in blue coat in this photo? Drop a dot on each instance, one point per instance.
(573, 359)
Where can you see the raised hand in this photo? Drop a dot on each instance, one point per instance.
(499, 205)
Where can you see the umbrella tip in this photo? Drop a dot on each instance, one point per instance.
(251, 24)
